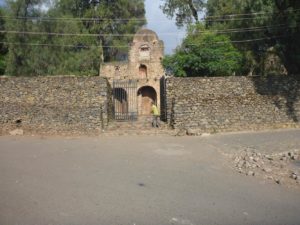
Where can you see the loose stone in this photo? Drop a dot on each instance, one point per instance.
(250, 173)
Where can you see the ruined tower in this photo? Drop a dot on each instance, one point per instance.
(143, 68)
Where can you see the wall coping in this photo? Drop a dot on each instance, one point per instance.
(54, 77)
(235, 77)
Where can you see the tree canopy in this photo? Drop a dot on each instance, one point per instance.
(253, 27)
(204, 53)
(3, 49)
(67, 36)
(184, 11)
(268, 23)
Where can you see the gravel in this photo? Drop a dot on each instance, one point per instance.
(278, 167)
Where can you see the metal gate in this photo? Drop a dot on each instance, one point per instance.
(163, 100)
(125, 100)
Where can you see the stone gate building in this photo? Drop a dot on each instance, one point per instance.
(136, 83)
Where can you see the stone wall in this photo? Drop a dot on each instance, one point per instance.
(233, 103)
(53, 105)
(115, 71)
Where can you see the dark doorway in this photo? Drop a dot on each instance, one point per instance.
(146, 95)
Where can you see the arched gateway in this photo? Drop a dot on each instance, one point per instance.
(146, 95)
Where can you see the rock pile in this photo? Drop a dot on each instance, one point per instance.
(191, 132)
(278, 167)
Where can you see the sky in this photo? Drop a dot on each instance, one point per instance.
(159, 23)
(164, 27)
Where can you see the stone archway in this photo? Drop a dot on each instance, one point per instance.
(146, 95)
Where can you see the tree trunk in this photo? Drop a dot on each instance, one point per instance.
(194, 10)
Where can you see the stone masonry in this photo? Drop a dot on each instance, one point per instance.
(201, 105)
(53, 105)
(144, 66)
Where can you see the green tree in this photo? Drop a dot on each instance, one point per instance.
(288, 47)
(204, 53)
(112, 20)
(185, 11)
(3, 48)
(43, 44)
(63, 54)
(20, 57)
(269, 23)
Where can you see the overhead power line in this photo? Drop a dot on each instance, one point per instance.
(80, 34)
(246, 30)
(253, 13)
(127, 46)
(222, 19)
(80, 19)
(242, 41)
(225, 31)
(259, 39)
(230, 17)
(53, 45)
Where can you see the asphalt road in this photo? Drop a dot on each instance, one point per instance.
(141, 181)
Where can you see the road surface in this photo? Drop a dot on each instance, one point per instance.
(141, 181)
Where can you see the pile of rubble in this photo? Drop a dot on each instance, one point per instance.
(279, 167)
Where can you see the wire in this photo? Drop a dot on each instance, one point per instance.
(226, 31)
(254, 13)
(58, 45)
(249, 28)
(241, 30)
(78, 34)
(259, 39)
(126, 20)
(94, 19)
(127, 46)
(68, 20)
(240, 41)
(236, 19)
(80, 19)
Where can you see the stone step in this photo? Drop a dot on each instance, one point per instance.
(145, 132)
(134, 126)
(142, 126)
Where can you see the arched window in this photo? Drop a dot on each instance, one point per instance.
(143, 71)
